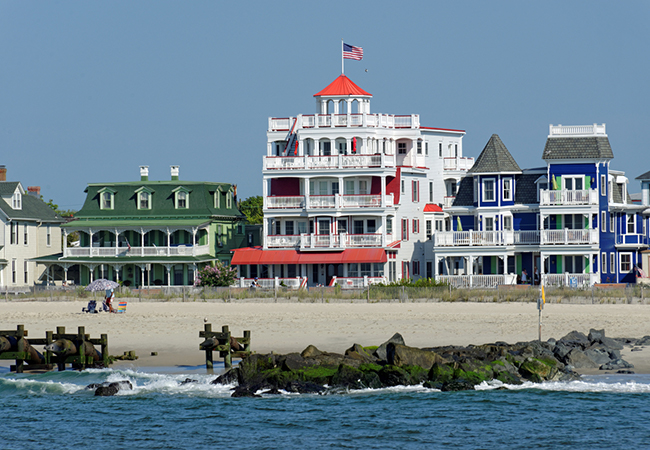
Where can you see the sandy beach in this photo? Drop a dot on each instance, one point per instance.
(172, 329)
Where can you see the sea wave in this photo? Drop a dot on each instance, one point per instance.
(597, 383)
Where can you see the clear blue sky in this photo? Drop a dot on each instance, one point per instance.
(91, 90)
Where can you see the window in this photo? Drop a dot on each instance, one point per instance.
(603, 262)
(475, 190)
(416, 226)
(488, 190)
(217, 199)
(107, 200)
(342, 225)
(48, 236)
(144, 200)
(603, 185)
(416, 267)
(389, 226)
(507, 189)
(626, 262)
(612, 262)
(631, 224)
(416, 191)
(26, 272)
(426, 148)
(181, 200)
(440, 149)
(489, 224)
(371, 226)
(349, 187)
(288, 227)
(574, 264)
(430, 191)
(603, 220)
(302, 227)
(403, 187)
(14, 232)
(405, 269)
(428, 229)
(612, 223)
(573, 183)
(405, 230)
(13, 271)
(335, 187)
(507, 223)
(419, 148)
(363, 187)
(26, 234)
(16, 200)
(401, 148)
(358, 226)
(229, 200)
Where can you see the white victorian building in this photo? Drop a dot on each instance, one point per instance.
(349, 195)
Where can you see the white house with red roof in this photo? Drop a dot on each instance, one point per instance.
(350, 196)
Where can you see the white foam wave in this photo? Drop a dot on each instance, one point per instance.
(31, 386)
(632, 387)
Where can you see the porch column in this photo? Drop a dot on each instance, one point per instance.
(348, 144)
(194, 268)
(194, 241)
(384, 238)
(168, 268)
(65, 243)
(117, 241)
(265, 232)
(307, 192)
(90, 235)
(383, 191)
(65, 273)
(169, 234)
(116, 268)
(141, 242)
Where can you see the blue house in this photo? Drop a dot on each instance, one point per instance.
(571, 222)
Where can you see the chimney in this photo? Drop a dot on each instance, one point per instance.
(144, 173)
(174, 170)
(34, 191)
(3, 173)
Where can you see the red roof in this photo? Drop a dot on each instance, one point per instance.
(255, 255)
(430, 207)
(342, 86)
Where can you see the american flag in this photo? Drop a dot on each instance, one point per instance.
(352, 52)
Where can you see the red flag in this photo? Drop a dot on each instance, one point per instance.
(354, 145)
(295, 152)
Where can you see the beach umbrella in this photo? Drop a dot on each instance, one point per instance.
(101, 284)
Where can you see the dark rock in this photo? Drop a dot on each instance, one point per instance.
(359, 353)
(598, 354)
(401, 355)
(245, 391)
(561, 350)
(611, 343)
(645, 340)
(575, 339)
(272, 391)
(537, 370)
(93, 386)
(636, 349)
(394, 376)
(457, 385)
(188, 380)
(310, 352)
(250, 368)
(625, 371)
(348, 377)
(595, 335)
(432, 385)
(304, 387)
(380, 353)
(579, 360)
(294, 361)
(110, 389)
(617, 364)
(227, 378)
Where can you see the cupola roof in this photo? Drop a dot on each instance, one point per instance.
(342, 87)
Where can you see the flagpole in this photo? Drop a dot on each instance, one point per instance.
(342, 60)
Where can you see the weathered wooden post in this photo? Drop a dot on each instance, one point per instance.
(20, 347)
(209, 364)
(247, 338)
(104, 347)
(60, 362)
(48, 340)
(227, 357)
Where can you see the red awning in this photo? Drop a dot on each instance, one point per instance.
(255, 255)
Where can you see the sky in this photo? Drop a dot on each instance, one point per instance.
(89, 91)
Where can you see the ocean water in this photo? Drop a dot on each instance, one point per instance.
(53, 410)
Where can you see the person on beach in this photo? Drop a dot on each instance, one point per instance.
(254, 283)
(108, 301)
(524, 277)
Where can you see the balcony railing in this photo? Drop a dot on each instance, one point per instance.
(492, 281)
(325, 241)
(497, 238)
(570, 279)
(180, 250)
(448, 201)
(577, 130)
(568, 197)
(357, 282)
(636, 240)
(328, 162)
(327, 201)
(461, 163)
(345, 120)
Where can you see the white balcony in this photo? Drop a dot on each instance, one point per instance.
(577, 130)
(327, 201)
(345, 120)
(566, 197)
(328, 162)
(180, 250)
(461, 163)
(485, 238)
(499, 238)
(325, 241)
(568, 237)
(448, 201)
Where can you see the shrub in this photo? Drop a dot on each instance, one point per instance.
(219, 275)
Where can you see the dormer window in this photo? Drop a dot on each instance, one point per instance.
(181, 198)
(106, 198)
(144, 198)
(17, 200)
(217, 199)
(229, 200)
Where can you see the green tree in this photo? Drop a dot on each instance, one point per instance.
(252, 209)
(67, 213)
(219, 275)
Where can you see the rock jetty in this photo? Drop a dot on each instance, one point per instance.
(449, 368)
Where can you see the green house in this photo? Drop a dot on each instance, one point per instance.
(151, 233)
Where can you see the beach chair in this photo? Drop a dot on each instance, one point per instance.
(91, 308)
(121, 308)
